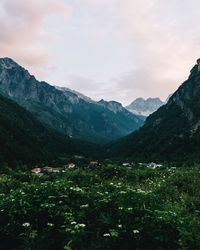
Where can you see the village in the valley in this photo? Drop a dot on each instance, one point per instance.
(41, 170)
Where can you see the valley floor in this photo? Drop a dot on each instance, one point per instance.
(101, 207)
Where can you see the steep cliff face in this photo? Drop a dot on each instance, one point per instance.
(172, 132)
(66, 111)
(40, 98)
(113, 106)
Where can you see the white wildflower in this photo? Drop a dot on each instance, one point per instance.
(26, 224)
(82, 225)
(84, 206)
(106, 235)
(122, 192)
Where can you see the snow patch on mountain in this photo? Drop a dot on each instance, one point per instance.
(143, 107)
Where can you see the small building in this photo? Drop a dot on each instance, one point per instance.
(36, 170)
(55, 170)
(94, 163)
(126, 164)
(50, 170)
(153, 165)
(70, 165)
(47, 169)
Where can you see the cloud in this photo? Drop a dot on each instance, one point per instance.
(90, 87)
(114, 49)
(163, 48)
(163, 44)
(23, 36)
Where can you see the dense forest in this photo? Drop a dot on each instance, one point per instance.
(24, 139)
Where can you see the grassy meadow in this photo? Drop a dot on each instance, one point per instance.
(101, 207)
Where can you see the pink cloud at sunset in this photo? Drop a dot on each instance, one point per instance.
(22, 34)
(135, 47)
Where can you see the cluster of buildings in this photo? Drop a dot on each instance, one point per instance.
(39, 171)
(151, 165)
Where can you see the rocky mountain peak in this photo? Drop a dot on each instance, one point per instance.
(65, 110)
(75, 93)
(9, 66)
(140, 106)
(8, 63)
(112, 105)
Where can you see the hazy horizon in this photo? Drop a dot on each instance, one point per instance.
(104, 49)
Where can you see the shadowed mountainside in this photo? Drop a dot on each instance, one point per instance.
(172, 132)
(66, 111)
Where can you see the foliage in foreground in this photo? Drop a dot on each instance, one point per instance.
(109, 207)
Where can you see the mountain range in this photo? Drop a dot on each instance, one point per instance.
(172, 133)
(65, 110)
(24, 138)
(143, 107)
(41, 122)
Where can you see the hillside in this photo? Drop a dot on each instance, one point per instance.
(24, 138)
(66, 111)
(172, 133)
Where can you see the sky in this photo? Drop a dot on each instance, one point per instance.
(106, 49)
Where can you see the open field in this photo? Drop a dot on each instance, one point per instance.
(104, 207)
